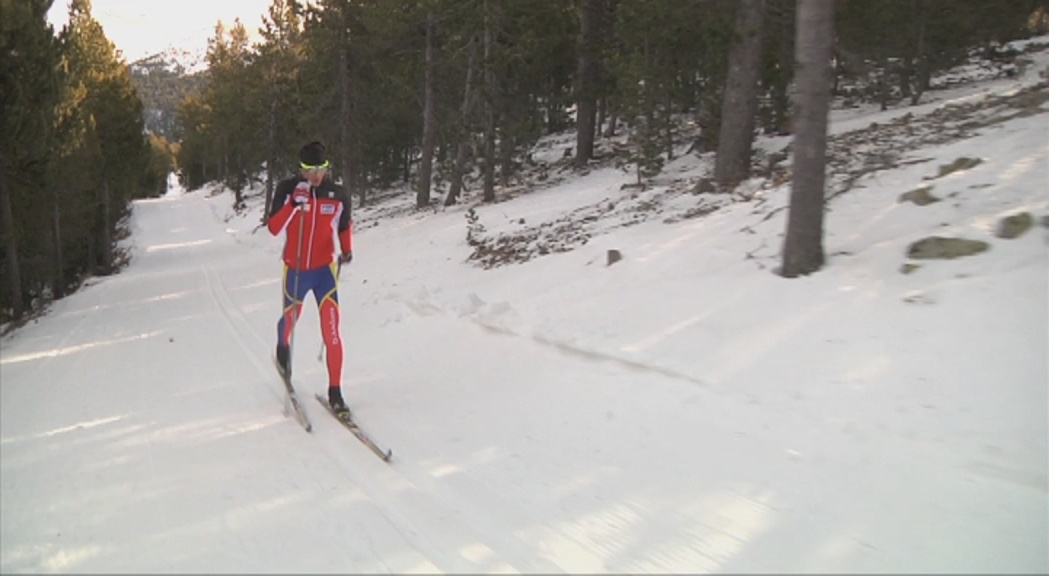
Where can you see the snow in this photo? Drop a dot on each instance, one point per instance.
(683, 410)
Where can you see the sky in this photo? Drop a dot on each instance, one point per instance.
(683, 410)
(140, 28)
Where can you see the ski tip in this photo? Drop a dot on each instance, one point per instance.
(388, 456)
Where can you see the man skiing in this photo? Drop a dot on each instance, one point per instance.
(314, 213)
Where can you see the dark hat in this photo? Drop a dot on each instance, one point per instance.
(313, 154)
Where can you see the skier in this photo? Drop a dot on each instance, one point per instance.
(314, 213)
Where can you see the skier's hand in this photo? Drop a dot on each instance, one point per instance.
(345, 257)
(301, 197)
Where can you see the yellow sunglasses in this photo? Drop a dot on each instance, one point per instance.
(310, 168)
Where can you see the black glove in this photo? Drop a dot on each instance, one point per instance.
(345, 257)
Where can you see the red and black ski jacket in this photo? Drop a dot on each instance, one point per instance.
(328, 218)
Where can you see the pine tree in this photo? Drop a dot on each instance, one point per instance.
(114, 148)
(236, 102)
(279, 58)
(29, 89)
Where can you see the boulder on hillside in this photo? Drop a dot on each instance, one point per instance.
(922, 196)
(1014, 226)
(963, 163)
(941, 248)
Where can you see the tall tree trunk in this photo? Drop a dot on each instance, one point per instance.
(803, 247)
(668, 126)
(14, 274)
(906, 75)
(489, 111)
(224, 160)
(883, 83)
(785, 63)
(456, 186)
(106, 237)
(59, 287)
(422, 194)
(506, 159)
(602, 115)
(586, 82)
(240, 179)
(346, 104)
(740, 105)
(613, 120)
(273, 151)
(921, 60)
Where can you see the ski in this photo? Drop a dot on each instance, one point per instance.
(348, 422)
(291, 402)
(291, 399)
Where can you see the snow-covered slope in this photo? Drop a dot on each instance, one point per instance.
(683, 410)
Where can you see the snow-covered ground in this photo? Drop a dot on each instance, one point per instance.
(683, 410)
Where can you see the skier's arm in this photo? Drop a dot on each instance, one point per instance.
(346, 224)
(280, 210)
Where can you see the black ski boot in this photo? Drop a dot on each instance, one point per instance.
(336, 402)
(283, 359)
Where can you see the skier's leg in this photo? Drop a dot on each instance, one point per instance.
(291, 309)
(328, 308)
